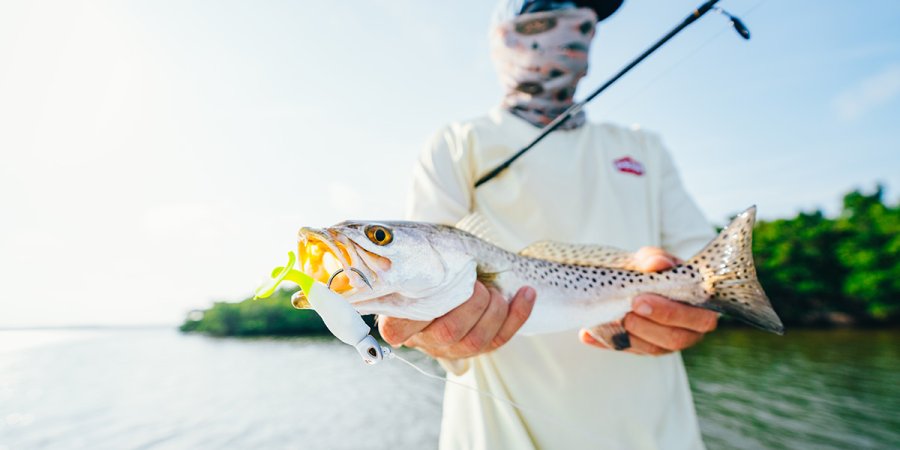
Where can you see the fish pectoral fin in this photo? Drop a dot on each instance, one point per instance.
(486, 277)
(581, 254)
(612, 334)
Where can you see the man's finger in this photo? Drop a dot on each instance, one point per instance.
(669, 338)
(638, 345)
(453, 326)
(652, 259)
(482, 334)
(397, 331)
(671, 313)
(586, 338)
(519, 310)
(642, 347)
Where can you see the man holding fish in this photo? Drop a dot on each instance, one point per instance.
(586, 183)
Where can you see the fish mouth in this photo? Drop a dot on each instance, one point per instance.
(330, 257)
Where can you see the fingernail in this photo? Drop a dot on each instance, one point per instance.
(529, 294)
(643, 308)
(586, 337)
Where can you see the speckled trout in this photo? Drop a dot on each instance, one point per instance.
(421, 271)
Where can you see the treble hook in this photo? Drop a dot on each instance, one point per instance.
(352, 269)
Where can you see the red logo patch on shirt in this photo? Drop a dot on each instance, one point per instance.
(629, 165)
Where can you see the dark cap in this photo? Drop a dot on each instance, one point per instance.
(603, 8)
(507, 9)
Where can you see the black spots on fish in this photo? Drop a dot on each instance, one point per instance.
(603, 273)
(689, 267)
(693, 275)
(622, 285)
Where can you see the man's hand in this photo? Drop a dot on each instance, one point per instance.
(658, 325)
(481, 324)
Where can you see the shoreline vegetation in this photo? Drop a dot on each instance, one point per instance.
(818, 272)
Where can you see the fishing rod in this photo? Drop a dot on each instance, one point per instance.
(578, 106)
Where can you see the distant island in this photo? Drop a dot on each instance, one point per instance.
(273, 316)
(816, 270)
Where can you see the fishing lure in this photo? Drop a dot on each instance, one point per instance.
(344, 322)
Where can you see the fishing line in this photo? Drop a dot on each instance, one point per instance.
(678, 63)
(463, 385)
(392, 355)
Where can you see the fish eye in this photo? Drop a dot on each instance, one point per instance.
(379, 235)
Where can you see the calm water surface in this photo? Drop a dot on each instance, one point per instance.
(157, 389)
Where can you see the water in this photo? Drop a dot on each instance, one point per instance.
(807, 389)
(162, 390)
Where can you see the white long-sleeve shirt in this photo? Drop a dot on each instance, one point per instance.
(599, 184)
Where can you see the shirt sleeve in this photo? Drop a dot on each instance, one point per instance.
(684, 229)
(441, 193)
(441, 190)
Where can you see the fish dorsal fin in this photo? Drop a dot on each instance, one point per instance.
(477, 225)
(581, 254)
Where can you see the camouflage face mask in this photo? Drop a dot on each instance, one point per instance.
(540, 57)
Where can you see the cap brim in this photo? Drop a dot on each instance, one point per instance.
(603, 8)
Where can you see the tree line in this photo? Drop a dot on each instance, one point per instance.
(817, 270)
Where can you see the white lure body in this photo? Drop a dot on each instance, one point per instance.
(344, 322)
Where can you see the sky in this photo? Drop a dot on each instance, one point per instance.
(156, 156)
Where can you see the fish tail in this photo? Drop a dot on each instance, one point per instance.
(729, 276)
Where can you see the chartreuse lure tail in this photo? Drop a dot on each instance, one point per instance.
(288, 273)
